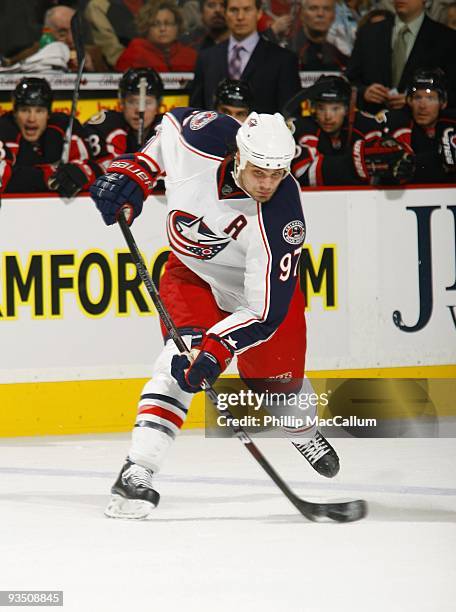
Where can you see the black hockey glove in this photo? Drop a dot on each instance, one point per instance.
(383, 158)
(447, 149)
(125, 185)
(71, 178)
(213, 358)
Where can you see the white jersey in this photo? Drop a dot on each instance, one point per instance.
(246, 251)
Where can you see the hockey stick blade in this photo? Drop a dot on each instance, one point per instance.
(340, 512)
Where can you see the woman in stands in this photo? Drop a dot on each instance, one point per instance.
(160, 25)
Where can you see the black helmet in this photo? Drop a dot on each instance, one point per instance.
(31, 91)
(233, 92)
(330, 89)
(428, 78)
(129, 83)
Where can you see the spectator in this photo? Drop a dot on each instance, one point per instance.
(233, 98)
(57, 21)
(311, 44)
(280, 20)
(213, 29)
(329, 151)
(387, 53)
(113, 25)
(375, 16)
(423, 124)
(19, 27)
(32, 138)
(342, 33)
(160, 24)
(272, 72)
(450, 20)
(111, 133)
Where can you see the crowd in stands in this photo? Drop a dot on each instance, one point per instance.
(395, 59)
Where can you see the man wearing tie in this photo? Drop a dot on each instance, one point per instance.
(387, 53)
(272, 72)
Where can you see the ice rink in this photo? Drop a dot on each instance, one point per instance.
(224, 538)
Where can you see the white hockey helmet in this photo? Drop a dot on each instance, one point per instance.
(265, 141)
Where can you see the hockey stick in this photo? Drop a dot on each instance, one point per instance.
(76, 30)
(142, 108)
(342, 512)
(351, 114)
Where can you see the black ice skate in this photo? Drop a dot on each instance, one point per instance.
(320, 454)
(133, 496)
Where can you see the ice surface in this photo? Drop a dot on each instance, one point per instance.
(224, 538)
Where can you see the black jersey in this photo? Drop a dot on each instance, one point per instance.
(425, 144)
(25, 166)
(322, 159)
(108, 135)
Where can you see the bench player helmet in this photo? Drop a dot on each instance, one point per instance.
(234, 93)
(429, 79)
(265, 141)
(32, 91)
(330, 89)
(129, 83)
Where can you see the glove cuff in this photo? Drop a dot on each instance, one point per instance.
(135, 169)
(359, 161)
(219, 348)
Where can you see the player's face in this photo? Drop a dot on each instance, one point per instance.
(425, 105)
(130, 109)
(242, 17)
(213, 14)
(164, 28)
(31, 121)
(330, 116)
(237, 112)
(318, 15)
(260, 183)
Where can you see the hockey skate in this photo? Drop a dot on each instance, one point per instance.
(133, 496)
(320, 454)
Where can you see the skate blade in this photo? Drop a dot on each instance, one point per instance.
(134, 509)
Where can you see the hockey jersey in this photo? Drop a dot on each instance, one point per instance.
(246, 251)
(324, 160)
(25, 167)
(108, 134)
(429, 167)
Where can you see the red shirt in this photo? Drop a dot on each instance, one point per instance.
(141, 53)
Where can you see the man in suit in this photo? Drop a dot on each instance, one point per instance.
(272, 72)
(387, 53)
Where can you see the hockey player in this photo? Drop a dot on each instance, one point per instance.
(111, 133)
(31, 141)
(233, 98)
(236, 227)
(427, 127)
(330, 151)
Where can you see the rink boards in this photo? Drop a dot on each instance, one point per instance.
(78, 334)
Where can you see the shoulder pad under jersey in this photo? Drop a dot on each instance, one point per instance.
(206, 131)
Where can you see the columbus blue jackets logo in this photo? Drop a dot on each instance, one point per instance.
(294, 232)
(190, 236)
(199, 120)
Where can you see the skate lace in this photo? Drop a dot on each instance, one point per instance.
(315, 449)
(138, 475)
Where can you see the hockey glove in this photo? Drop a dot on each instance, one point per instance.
(213, 358)
(71, 178)
(447, 149)
(125, 185)
(383, 158)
